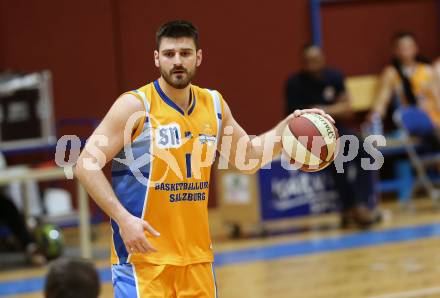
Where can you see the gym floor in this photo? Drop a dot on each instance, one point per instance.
(398, 258)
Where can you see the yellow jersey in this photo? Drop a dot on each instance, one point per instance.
(421, 81)
(163, 176)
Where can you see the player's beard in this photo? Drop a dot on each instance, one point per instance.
(178, 81)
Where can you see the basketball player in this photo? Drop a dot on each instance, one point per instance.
(157, 201)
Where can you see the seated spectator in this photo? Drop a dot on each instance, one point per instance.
(11, 217)
(409, 79)
(72, 278)
(322, 87)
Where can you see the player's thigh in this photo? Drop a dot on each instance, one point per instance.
(155, 281)
(142, 281)
(196, 280)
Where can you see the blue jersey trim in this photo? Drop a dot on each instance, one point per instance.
(130, 173)
(166, 99)
(193, 105)
(171, 103)
(120, 249)
(127, 185)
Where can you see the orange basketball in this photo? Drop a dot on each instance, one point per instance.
(311, 141)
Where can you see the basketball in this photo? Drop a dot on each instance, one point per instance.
(50, 240)
(311, 141)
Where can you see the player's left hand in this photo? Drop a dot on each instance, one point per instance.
(298, 113)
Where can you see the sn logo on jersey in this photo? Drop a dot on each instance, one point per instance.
(168, 136)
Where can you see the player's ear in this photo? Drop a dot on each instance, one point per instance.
(199, 57)
(156, 58)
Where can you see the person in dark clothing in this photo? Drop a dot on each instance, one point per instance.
(322, 87)
(11, 217)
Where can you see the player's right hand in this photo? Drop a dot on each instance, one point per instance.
(132, 233)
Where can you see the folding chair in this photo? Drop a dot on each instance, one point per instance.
(414, 122)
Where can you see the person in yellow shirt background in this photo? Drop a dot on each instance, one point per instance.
(410, 78)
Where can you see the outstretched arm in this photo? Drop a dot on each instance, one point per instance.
(249, 153)
(105, 142)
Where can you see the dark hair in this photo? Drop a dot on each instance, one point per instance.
(407, 86)
(403, 34)
(177, 29)
(72, 278)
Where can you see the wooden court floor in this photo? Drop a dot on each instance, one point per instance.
(397, 259)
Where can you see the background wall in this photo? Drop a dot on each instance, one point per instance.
(73, 39)
(98, 49)
(357, 34)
